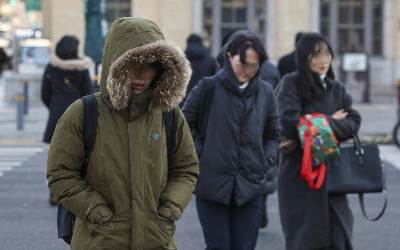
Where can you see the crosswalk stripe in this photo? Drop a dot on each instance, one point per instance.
(13, 157)
(21, 149)
(11, 164)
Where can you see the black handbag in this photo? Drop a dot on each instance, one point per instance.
(358, 170)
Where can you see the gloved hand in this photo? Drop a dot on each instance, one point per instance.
(100, 215)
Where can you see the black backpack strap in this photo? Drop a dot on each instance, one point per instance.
(89, 127)
(206, 100)
(170, 129)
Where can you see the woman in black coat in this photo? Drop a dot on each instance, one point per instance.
(65, 79)
(313, 218)
(234, 122)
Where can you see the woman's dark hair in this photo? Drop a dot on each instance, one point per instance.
(241, 43)
(309, 84)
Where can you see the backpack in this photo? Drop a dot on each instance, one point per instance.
(319, 145)
(66, 219)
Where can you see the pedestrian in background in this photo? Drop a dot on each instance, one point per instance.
(201, 62)
(134, 190)
(269, 73)
(311, 218)
(4, 60)
(234, 121)
(65, 79)
(287, 63)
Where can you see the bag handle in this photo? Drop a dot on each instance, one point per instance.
(359, 151)
(362, 205)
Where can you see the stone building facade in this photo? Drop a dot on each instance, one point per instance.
(371, 27)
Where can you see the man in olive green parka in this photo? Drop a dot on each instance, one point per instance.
(131, 195)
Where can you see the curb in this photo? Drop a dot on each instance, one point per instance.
(377, 139)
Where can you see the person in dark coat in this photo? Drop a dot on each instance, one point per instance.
(268, 72)
(201, 62)
(234, 122)
(3, 60)
(66, 78)
(286, 63)
(313, 218)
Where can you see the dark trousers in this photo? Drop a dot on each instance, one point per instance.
(230, 227)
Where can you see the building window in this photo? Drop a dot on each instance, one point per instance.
(223, 16)
(353, 25)
(207, 22)
(377, 26)
(234, 16)
(116, 9)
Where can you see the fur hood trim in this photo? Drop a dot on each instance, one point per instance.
(171, 86)
(71, 64)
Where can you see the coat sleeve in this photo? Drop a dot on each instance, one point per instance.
(45, 91)
(345, 128)
(272, 131)
(64, 163)
(191, 109)
(183, 172)
(272, 134)
(289, 104)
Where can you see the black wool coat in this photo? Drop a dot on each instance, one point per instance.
(63, 83)
(305, 212)
(236, 138)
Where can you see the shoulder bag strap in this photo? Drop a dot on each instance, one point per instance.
(360, 151)
(170, 129)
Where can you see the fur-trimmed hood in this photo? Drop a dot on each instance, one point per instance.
(71, 64)
(131, 41)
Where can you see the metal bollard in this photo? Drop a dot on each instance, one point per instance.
(20, 111)
(26, 94)
(398, 100)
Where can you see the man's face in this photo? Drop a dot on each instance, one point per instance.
(141, 77)
(245, 72)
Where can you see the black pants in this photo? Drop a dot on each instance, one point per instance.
(230, 227)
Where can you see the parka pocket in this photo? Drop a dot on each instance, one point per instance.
(110, 235)
(159, 233)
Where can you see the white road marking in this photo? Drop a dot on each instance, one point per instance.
(14, 156)
(391, 154)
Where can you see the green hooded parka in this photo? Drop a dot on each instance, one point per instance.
(131, 195)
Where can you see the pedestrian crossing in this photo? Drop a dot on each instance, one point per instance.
(34, 121)
(391, 154)
(13, 157)
(33, 127)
